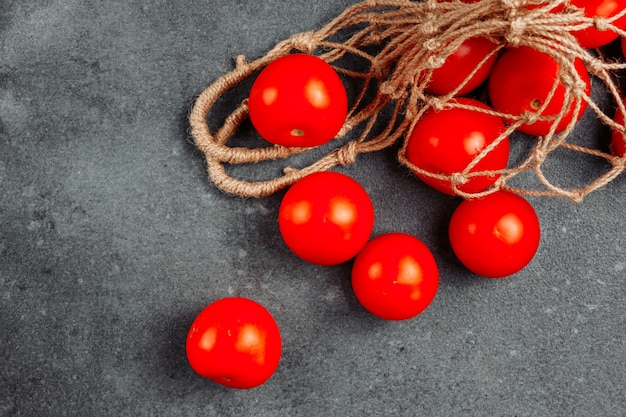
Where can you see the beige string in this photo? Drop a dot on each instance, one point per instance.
(399, 43)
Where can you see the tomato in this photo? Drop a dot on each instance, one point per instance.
(446, 141)
(395, 276)
(298, 100)
(495, 236)
(592, 37)
(326, 218)
(235, 342)
(521, 81)
(618, 144)
(460, 64)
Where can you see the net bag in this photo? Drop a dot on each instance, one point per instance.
(387, 50)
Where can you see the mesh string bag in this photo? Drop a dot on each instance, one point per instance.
(386, 51)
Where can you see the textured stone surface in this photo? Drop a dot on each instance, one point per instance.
(112, 239)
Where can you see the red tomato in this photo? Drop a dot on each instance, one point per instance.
(495, 236)
(298, 100)
(521, 81)
(326, 218)
(592, 37)
(446, 141)
(618, 146)
(395, 276)
(234, 342)
(459, 65)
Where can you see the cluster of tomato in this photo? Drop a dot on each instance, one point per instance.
(327, 218)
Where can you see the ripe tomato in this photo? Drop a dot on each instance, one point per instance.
(618, 146)
(395, 276)
(326, 218)
(592, 37)
(459, 65)
(495, 236)
(235, 342)
(446, 141)
(521, 81)
(298, 100)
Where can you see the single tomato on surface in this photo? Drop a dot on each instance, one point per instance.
(447, 141)
(326, 218)
(298, 100)
(593, 37)
(395, 276)
(521, 82)
(495, 236)
(235, 342)
(460, 65)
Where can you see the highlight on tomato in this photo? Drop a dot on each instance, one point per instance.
(521, 81)
(460, 64)
(446, 141)
(298, 100)
(495, 236)
(395, 276)
(235, 342)
(326, 218)
(593, 37)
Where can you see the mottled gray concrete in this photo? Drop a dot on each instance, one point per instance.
(112, 239)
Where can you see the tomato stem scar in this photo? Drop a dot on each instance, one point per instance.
(535, 104)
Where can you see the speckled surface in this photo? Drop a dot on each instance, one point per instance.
(112, 239)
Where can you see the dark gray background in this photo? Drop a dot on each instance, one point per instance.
(112, 239)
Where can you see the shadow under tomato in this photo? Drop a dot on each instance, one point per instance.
(169, 371)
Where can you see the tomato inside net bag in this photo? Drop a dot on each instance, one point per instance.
(386, 51)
